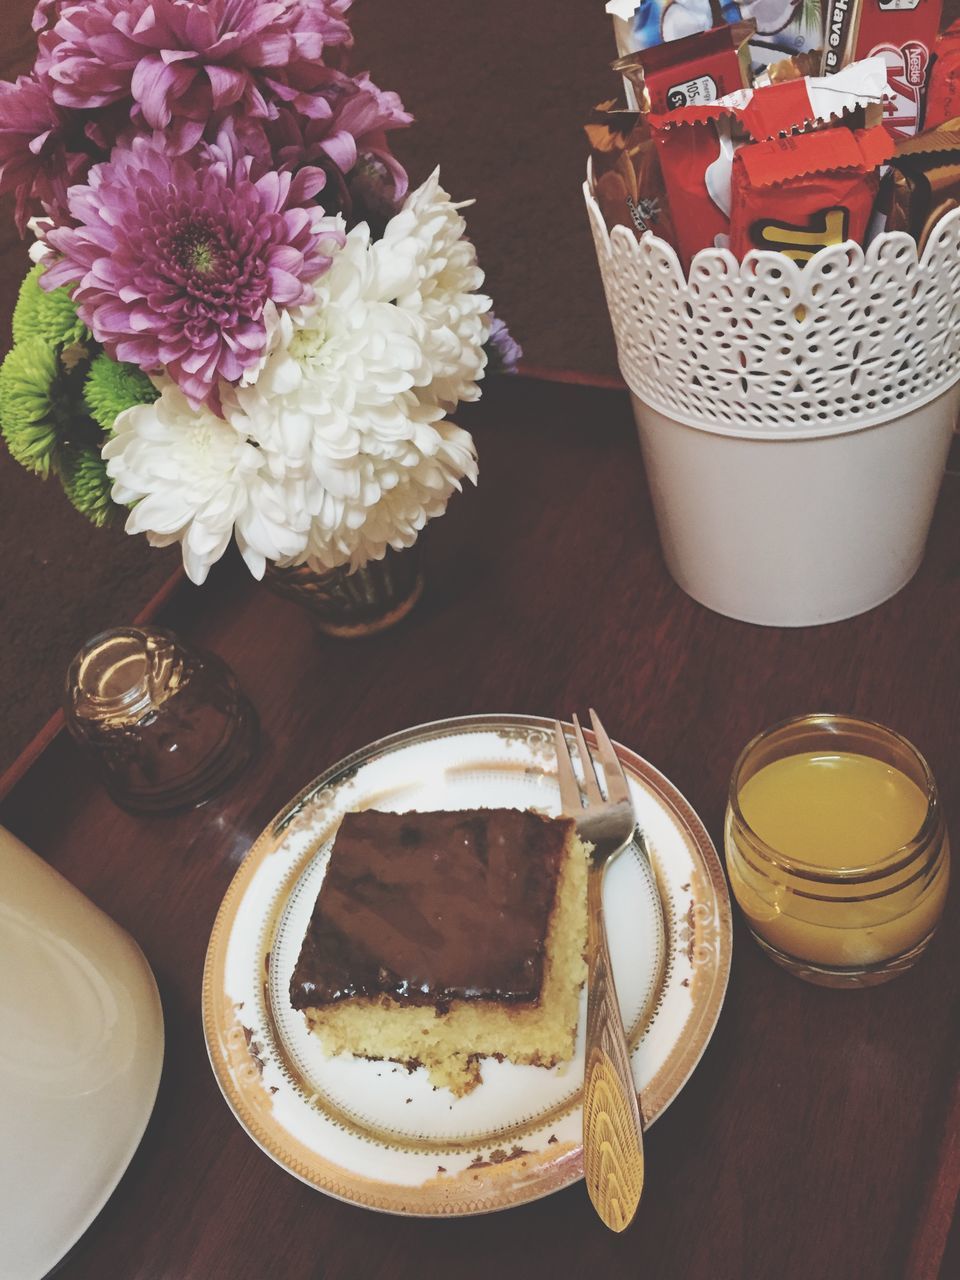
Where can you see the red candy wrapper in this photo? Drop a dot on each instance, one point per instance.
(903, 33)
(696, 144)
(699, 68)
(690, 155)
(943, 92)
(800, 193)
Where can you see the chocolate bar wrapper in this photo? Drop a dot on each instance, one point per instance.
(903, 33)
(926, 181)
(697, 144)
(689, 159)
(784, 27)
(921, 200)
(801, 193)
(943, 91)
(792, 105)
(627, 182)
(699, 68)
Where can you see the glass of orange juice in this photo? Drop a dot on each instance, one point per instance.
(836, 849)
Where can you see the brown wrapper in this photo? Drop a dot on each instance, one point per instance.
(627, 182)
(797, 67)
(696, 69)
(926, 181)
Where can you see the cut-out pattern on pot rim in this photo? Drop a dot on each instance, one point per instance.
(848, 340)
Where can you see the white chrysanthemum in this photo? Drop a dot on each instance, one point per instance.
(437, 279)
(421, 491)
(344, 404)
(197, 481)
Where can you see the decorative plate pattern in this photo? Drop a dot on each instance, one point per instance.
(378, 1135)
(770, 346)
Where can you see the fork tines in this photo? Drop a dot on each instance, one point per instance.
(617, 789)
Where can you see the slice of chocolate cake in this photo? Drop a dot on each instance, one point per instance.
(442, 938)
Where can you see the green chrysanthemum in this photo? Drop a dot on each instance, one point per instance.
(87, 485)
(51, 316)
(112, 387)
(29, 418)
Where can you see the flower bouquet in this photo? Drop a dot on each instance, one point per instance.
(240, 322)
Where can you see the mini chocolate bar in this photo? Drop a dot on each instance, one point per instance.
(690, 157)
(943, 91)
(700, 68)
(926, 181)
(697, 144)
(903, 33)
(803, 192)
(627, 182)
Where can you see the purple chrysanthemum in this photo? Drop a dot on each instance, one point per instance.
(37, 161)
(44, 14)
(189, 58)
(503, 351)
(352, 137)
(176, 258)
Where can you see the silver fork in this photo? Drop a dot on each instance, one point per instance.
(612, 1132)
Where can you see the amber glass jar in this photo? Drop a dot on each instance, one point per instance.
(845, 925)
(166, 725)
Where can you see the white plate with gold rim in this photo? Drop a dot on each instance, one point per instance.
(374, 1133)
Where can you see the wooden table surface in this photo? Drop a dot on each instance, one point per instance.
(818, 1138)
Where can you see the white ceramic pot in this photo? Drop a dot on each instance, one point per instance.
(792, 531)
(80, 1060)
(794, 418)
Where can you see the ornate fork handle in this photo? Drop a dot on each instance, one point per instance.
(613, 1142)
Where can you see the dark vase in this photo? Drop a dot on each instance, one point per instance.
(370, 599)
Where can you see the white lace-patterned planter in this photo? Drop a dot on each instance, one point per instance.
(794, 419)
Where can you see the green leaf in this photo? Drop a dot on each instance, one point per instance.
(810, 12)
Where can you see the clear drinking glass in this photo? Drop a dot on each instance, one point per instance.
(166, 725)
(846, 926)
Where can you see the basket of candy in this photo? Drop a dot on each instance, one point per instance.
(781, 259)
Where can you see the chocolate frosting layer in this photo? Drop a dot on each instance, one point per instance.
(433, 907)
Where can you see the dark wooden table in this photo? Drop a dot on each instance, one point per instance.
(818, 1138)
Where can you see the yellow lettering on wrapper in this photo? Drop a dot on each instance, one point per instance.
(801, 243)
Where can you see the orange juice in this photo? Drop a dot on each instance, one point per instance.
(833, 809)
(838, 858)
